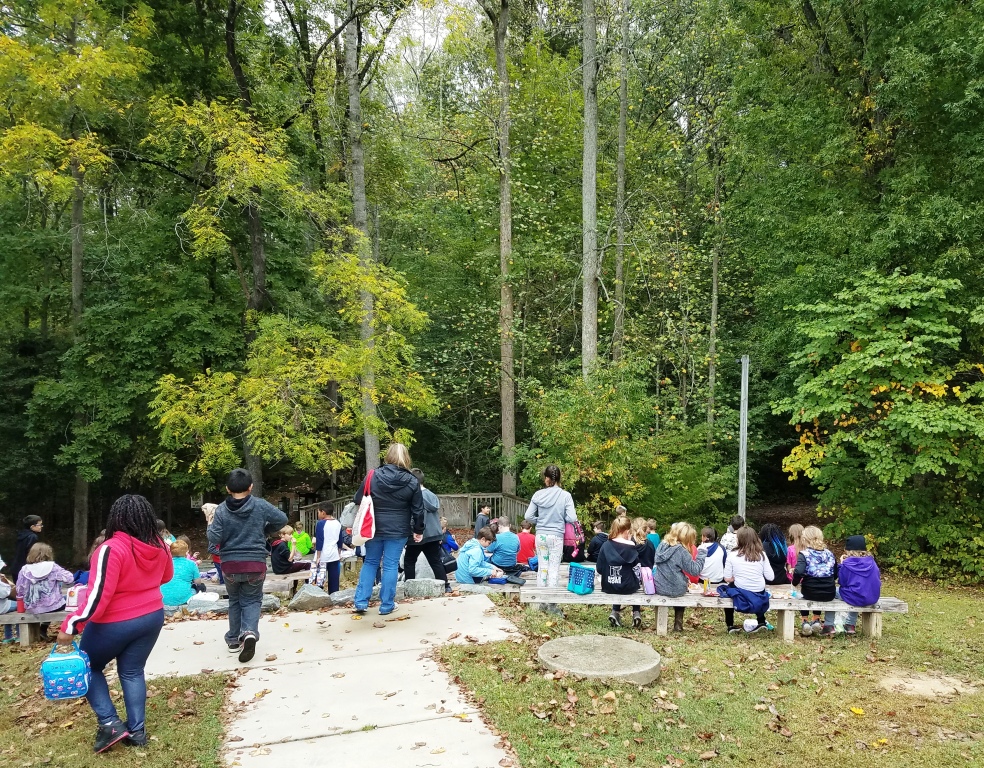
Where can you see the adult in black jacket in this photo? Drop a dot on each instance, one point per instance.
(27, 537)
(399, 509)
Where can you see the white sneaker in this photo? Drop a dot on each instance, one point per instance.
(817, 627)
(806, 629)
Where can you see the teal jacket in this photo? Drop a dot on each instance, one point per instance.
(472, 566)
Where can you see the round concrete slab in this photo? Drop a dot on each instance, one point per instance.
(598, 656)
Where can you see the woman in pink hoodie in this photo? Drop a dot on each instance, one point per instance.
(122, 616)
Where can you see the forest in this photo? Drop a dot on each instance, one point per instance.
(281, 234)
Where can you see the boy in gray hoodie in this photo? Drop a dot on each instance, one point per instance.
(239, 529)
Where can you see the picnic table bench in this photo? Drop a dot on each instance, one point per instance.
(30, 623)
(287, 582)
(787, 607)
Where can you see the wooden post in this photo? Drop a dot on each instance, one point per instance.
(662, 617)
(871, 624)
(787, 625)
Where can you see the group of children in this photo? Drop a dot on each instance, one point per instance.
(741, 566)
(496, 552)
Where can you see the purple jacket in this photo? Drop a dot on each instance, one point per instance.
(860, 581)
(39, 584)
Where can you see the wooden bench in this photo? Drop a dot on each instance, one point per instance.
(287, 582)
(788, 608)
(30, 623)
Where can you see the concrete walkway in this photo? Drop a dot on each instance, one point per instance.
(340, 689)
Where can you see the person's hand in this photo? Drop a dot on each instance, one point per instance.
(497, 573)
(64, 642)
(417, 538)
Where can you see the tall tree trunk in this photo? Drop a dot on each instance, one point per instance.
(618, 334)
(712, 335)
(507, 378)
(254, 465)
(80, 527)
(589, 191)
(357, 180)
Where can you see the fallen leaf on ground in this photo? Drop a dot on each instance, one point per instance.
(857, 711)
(199, 642)
(454, 635)
(379, 625)
(260, 751)
(339, 674)
(271, 657)
(299, 650)
(709, 755)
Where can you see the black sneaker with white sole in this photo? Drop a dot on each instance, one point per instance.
(615, 620)
(108, 735)
(136, 738)
(236, 648)
(733, 630)
(636, 620)
(759, 628)
(249, 647)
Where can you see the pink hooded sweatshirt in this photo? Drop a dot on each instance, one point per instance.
(125, 577)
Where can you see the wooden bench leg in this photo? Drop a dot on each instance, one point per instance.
(787, 625)
(29, 633)
(662, 619)
(871, 624)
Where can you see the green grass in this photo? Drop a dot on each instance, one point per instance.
(743, 700)
(183, 720)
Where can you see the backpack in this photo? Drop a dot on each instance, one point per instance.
(573, 536)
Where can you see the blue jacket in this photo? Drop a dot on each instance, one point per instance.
(472, 566)
(397, 502)
(448, 543)
(743, 600)
(503, 551)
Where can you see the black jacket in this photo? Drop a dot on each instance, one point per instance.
(397, 501)
(595, 546)
(778, 563)
(647, 554)
(26, 538)
(280, 557)
(617, 563)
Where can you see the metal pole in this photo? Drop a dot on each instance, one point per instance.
(743, 437)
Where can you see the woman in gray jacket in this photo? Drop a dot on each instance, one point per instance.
(551, 508)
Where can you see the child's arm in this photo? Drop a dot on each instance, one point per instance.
(800, 570)
(692, 566)
(729, 571)
(767, 569)
(61, 575)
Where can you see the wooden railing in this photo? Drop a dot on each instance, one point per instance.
(460, 509)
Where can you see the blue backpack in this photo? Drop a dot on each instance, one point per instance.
(66, 675)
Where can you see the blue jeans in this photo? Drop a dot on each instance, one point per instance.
(829, 616)
(388, 552)
(245, 601)
(130, 643)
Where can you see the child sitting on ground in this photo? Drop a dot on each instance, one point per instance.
(168, 537)
(281, 558)
(816, 571)
(860, 583)
(618, 566)
(730, 539)
(714, 556)
(748, 569)
(190, 556)
(472, 565)
(597, 541)
(39, 582)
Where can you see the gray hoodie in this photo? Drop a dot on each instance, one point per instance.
(240, 527)
(671, 562)
(550, 509)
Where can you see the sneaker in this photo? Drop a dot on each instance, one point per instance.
(850, 630)
(136, 738)
(615, 620)
(758, 628)
(826, 631)
(249, 647)
(236, 648)
(555, 609)
(108, 735)
(806, 629)
(817, 626)
(447, 589)
(387, 613)
(733, 630)
(637, 620)
(359, 611)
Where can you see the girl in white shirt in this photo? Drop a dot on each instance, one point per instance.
(747, 568)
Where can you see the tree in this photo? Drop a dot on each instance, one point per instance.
(589, 190)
